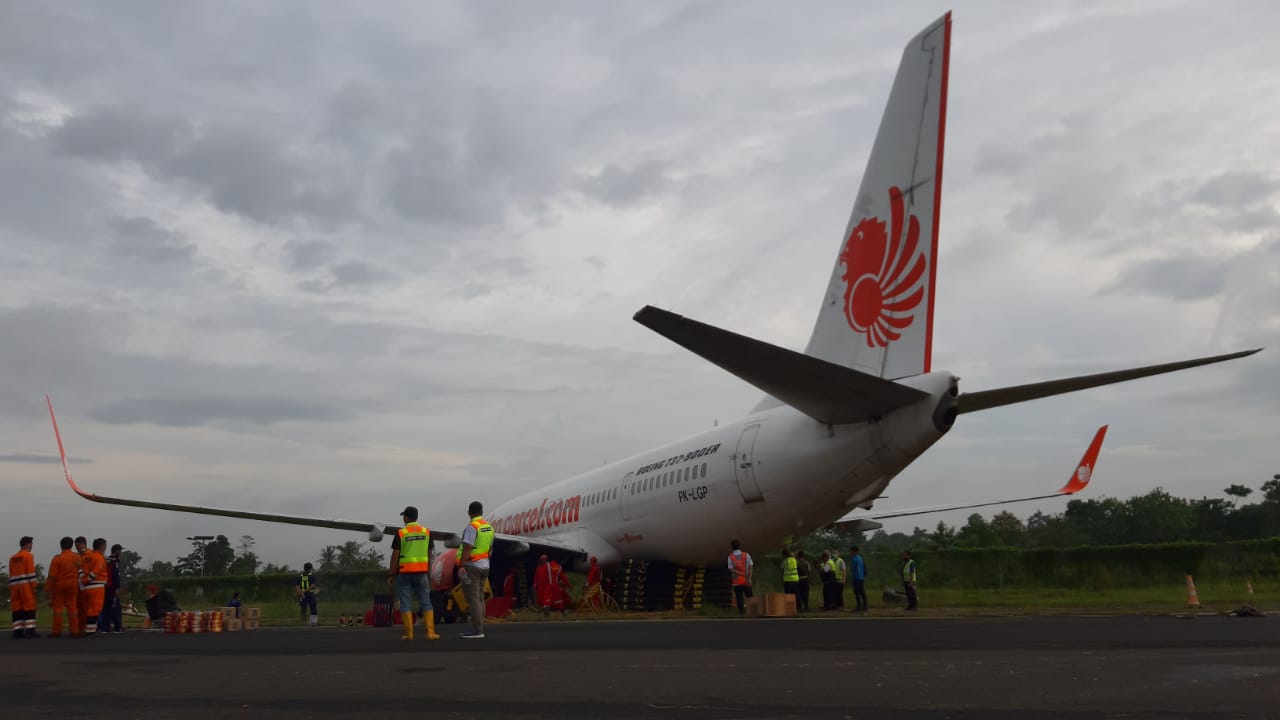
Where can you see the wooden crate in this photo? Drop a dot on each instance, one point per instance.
(251, 613)
(232, 625)
(251, 624)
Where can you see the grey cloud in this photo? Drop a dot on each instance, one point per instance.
(201, 410)
(308, 254)
(41, 459)
(141, 238)
(1236, 190)
(121, 133)
(352, 275)
(358, 274)
(246, 172)
(1179, 278)
(620, 187)
(474, 173)
(243, 170)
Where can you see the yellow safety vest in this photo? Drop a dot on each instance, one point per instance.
(484, 540)
(790, 571)
(415, 548)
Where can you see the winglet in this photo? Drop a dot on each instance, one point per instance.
(66, 468)
(1084, 471)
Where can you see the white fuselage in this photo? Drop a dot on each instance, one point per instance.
(774, 474)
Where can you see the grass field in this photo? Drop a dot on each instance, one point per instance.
(1214, 597)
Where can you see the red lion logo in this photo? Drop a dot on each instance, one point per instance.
(883, 275)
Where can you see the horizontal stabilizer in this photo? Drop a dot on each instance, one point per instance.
(1079, 480)
(824, 391)
(986, 399)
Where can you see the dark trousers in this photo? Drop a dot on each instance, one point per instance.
(830, 592)
(112, 617)
(802, 594)
(860, 593)
(740, 594)
(839, 593)
(912, 602)
(307, 602)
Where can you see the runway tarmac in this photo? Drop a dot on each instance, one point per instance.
(905, 668)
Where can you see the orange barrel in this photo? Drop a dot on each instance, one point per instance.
(197, 622)
(216, 622)
(171, 622)
(184, 626)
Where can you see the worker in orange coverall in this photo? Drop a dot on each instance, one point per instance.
(93, 584)
(550, 586)
(63, 588)
(22, 590)
(82, 547)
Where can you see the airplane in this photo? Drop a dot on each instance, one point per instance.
(837, 422)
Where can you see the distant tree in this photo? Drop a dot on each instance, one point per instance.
(193, 562)
(1240, 492)
(273, 569)
(351, 555)
(129, 564)
(160, 569)
(329, 558)
(976, 533)
(244, 564)
(1271, 490)
(218, 556)
(943, 537)
(1009, 529)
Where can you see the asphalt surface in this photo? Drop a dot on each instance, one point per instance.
(905, 668)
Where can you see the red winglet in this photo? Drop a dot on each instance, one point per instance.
(61, 451)
(1080, 478)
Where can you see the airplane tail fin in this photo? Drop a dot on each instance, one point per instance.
(877, 314)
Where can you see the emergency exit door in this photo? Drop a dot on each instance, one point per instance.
(745, 464)
(624, 496)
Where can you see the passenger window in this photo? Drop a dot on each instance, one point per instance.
(704, 469)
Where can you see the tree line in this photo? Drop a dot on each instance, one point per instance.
(1155, 517)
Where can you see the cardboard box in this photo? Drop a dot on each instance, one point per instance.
(229, 613)
(779, 605)
(755, 607)
(232, 625)
(252, 624)
(251, 613)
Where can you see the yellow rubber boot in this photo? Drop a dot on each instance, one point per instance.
(407, 619)
(429, 617)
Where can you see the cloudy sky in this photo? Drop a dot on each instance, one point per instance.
(324, 258)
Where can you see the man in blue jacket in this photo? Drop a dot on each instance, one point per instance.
(858, 571)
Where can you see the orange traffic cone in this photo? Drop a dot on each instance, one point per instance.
(1192, 600)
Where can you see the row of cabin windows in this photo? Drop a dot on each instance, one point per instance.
(668, 479)
(601, 496)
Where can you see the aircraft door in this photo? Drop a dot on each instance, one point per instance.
(624, 496)
(745, 466)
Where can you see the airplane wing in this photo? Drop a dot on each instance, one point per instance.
(1079, 481)
(506, 544)
(986, 399)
